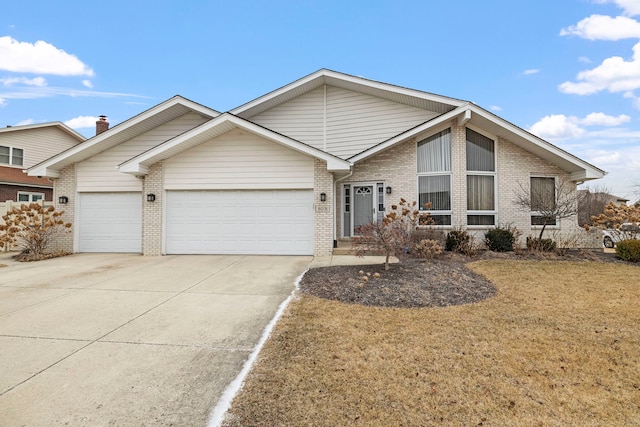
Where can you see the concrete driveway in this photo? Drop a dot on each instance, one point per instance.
(126, 340)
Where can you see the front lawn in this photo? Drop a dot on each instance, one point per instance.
(558, 344)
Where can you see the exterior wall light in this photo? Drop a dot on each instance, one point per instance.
(388, 190)
(323, 197)
(63, 200)
(151, 197)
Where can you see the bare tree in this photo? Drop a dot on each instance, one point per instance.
(395, 234)
(548, 200)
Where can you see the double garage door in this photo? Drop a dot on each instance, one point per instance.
(277, 222)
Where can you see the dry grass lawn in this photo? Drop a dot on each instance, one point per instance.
(558, 345)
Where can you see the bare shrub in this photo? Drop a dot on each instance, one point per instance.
(394, 235)
(32, 228)
(428, 249)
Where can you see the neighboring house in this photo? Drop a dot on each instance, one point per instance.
(21, 147)
(592, 203)
(299, 168)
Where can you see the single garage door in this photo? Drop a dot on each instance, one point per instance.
(270, 222)
(110, 222)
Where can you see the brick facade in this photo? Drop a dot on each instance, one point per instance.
(10, 192)
(65, 185)
(323, 211)
(396, 167)
(153, 183)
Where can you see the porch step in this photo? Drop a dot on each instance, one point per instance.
(344, 248)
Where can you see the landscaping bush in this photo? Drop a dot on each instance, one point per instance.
(628, 250)
(456, 239)
(427, 249)
(542, 245)
(459, 240)
(501, 239)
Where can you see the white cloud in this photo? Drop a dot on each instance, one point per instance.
(40, 58)
(584, 59)
(601, 119)
(25, 122)
(614, 74)
(3, 102)
(45, 92)
(87, 83)
(495, 108)
(630, 7)
(82, 122)
(37, 81)
(531, 71)
(557, 126)
(601, 27)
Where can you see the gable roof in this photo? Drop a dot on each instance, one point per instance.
(137, 125)
(497, 126)
(402, 95)
(220, 125)
(58, 125)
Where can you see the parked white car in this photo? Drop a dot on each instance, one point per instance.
(611, 236)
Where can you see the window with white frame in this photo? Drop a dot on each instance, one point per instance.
(24, 196)
(481, 179)
(11, 156)
(543, 199)
(434, 176)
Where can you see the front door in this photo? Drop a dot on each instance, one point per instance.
(363, 206)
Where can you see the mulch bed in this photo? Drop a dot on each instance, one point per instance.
(444, 281)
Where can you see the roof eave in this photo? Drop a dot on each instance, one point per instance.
(140, 164)
(56, 163)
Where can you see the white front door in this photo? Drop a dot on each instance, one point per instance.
(364, 205)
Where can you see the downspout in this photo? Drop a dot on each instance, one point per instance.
(335, 205)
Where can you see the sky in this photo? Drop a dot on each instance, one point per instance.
(568, 71)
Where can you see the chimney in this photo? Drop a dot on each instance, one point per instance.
(102, 125)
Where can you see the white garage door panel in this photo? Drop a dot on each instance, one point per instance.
(110, 222)
(278, 222)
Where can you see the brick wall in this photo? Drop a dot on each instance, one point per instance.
(65, 185)
(10, 192)
(323, 220)
(152, 211)
(396, 167)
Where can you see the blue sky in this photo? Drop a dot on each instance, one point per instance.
(568, 71)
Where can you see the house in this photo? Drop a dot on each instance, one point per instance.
(21, 147)
(296, 170)
(592, 203)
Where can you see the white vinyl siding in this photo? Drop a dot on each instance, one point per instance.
(100, 173)
(352, 122)
(301, 118)
(266, 222)
(38, 144)
(238, 160)
(110, 222)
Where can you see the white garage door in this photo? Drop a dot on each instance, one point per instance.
(275, 222)
(110, 222)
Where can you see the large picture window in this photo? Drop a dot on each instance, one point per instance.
(434, 176)
(543, 199)
(481, 179)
